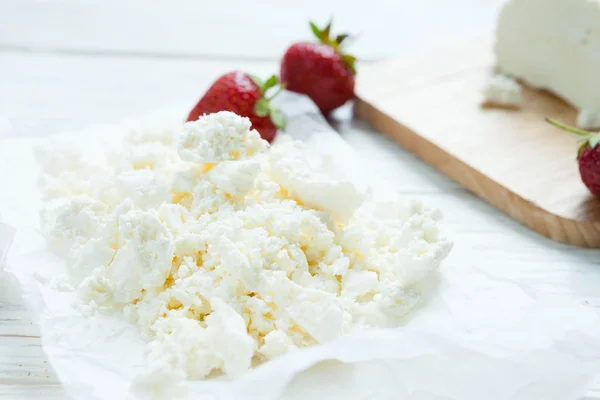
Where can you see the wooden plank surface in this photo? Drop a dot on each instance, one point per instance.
(67, 64)
(24, 370)
(511, 158)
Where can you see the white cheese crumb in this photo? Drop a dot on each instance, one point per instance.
(276, 343)
(502, 90)
(72, 221)
(144, 188)
(224, 256)
(82, 260)
(235, 178)
(358, 283)
(144, 256)
(219, 137)
(293, 168)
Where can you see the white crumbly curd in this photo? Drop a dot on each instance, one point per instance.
(503, 91)
(227, 253)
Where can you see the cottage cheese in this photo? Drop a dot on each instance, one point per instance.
(502, 90)
(554, 45)
(227, 253)
(276, 343)
(308, 181)
(219, 137)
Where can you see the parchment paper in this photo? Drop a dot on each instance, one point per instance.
(477, 337)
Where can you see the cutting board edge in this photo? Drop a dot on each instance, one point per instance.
(556, 227)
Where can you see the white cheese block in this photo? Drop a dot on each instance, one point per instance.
(554, 45)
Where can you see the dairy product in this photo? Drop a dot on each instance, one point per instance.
(227, 253)
(554, 45)
(219, 137)
(502, 90)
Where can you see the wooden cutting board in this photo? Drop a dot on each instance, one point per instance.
(431, 105)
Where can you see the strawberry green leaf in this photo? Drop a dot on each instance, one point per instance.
(327, 30)
(278, 118)
(349, 59)
(262, 108)
(340, 38)
(350, 62)
(272, 81)
(567, 128)
(315, 29)
(594, 140)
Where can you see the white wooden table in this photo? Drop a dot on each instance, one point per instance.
(66, 64)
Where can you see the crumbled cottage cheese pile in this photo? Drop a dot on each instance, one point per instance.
(227, 252)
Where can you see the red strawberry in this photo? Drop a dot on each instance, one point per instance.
(244, 95)
(588, 156)
(320, 70)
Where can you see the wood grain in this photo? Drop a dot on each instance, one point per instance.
(511, 158)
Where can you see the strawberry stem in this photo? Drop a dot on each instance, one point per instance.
(567, 128)
(588, 138)
(263, 107)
